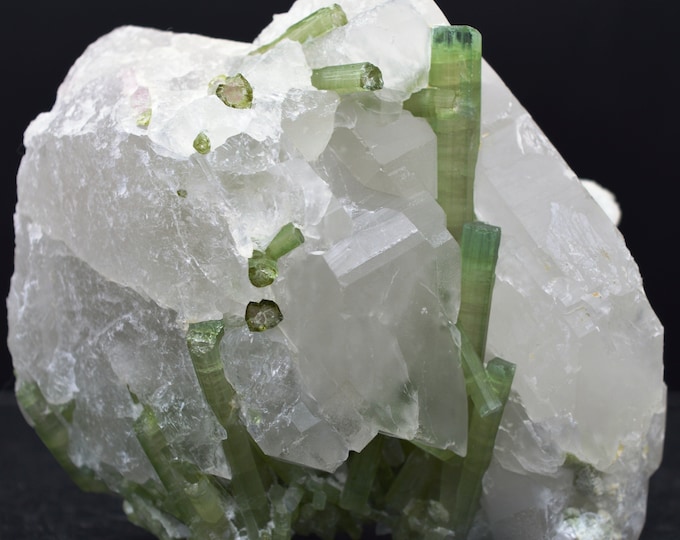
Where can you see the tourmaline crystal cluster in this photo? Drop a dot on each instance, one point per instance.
(306, 286)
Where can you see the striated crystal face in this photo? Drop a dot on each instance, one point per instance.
(265, 206)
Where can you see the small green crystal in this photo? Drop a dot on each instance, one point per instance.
(202, 143)
(234, 92)
(262, 266)
(285, 241)
(348, 78)
(262, 270)
(314, 25)
(263, 315)
(144, 119)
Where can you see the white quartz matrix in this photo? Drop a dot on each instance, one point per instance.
(125, 235)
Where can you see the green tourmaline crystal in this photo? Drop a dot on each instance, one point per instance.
(202, 143)
(51, 426)
(481, 440)
(476, 378)
(144, 119)
(285, 241)
(263, 315)
(161, 457)
(452, 106)
(262, 266)
(479, 253)
(203, 340)
(234, 92)
(348, 78)
(262, 270)
(360, 476)
(314, 25)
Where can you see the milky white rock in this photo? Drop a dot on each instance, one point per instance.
(125, 235)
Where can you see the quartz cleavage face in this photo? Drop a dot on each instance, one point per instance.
(158, 184)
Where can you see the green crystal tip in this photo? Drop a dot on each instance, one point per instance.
(262, 315)
(262, 270)
(202, 143)
(455, 36)
(202, 337)
(234, 92)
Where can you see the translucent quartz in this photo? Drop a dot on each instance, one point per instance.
(144, 237)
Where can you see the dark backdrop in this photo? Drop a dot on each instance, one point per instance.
(597, 75)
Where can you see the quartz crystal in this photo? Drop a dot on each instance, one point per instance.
(253, 298)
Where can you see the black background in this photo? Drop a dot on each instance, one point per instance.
(599, 77)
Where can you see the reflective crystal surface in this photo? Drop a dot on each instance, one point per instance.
(128, 231)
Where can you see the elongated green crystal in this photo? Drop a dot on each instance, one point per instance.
(156, 448)
(481, 440)
(479, 254)
(234, 92)
(144, 513)
(442, 455)
(191, 495)
(452, 106)
(314, 25)
(448, 483)
(247, 485)
(362, 470)
(203, 341)
(348, 78)
(262, 315)
(477, 380)
(285, 241)
(413, 481)
(52, 429)
(282, 515)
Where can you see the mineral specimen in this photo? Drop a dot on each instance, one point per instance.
(256, 294)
